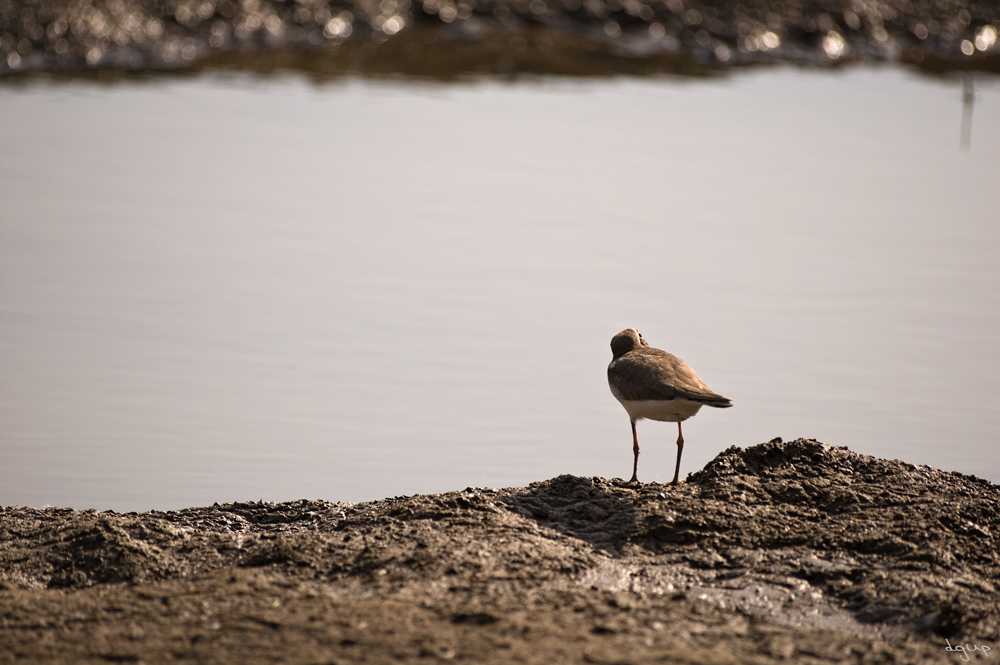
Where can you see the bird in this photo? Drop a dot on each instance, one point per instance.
(654, 384)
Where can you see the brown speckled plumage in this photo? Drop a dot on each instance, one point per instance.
(654, 384)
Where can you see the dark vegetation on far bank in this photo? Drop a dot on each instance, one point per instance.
(448, 39)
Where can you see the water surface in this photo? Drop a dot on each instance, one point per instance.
(228, 288)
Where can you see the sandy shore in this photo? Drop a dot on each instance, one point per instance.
(783, 552)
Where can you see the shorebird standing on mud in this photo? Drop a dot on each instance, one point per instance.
(653, 384)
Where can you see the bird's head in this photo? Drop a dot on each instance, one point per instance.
(625, 341)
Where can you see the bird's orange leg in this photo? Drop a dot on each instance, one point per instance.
(680, 449)
(635, 451)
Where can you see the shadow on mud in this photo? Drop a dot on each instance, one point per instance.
(585, 508)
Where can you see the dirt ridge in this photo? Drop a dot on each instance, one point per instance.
(782, 550)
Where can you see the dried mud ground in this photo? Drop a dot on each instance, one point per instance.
(782, 552)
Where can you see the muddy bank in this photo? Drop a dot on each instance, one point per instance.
(454, 38)
(793, 552)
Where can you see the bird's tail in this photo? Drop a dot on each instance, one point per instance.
(718, 401)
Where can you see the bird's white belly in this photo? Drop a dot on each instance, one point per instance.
(671, 411)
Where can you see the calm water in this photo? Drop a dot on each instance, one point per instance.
(219, 289)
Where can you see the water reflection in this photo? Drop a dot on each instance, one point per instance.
(220, 288)
(968, 99)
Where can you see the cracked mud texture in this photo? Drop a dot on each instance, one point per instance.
(782, 552)
(446, 39)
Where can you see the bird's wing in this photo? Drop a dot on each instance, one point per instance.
(650, 373)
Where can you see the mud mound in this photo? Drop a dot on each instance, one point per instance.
(784, 550)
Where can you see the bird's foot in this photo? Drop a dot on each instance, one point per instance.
(634, 481)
